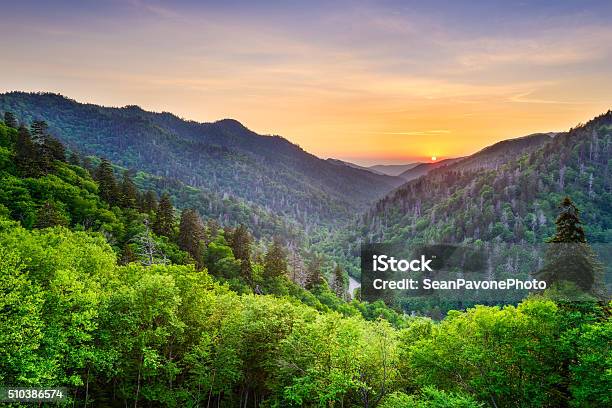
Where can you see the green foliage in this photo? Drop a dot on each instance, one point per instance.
(569, 258)
(168, 335)
(275, 261)
(163, 223)
(224, 160)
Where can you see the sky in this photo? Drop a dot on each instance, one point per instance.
(365, 81)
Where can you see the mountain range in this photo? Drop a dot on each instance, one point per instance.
(507, 192)
(223, 158)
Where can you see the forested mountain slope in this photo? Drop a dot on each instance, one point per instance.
(393, 169)
(511, 201)
(424, 168)
(125, 312)
(223, 157)
(508, 192)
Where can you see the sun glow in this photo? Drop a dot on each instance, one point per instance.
(434, 158)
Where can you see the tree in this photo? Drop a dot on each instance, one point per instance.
(568, 257)
(39, 129)
(240, 243)
(108, 189)
(9, 120)
(149, 202)
(164, 217)
(50, 216)
(275, 260)
(46, 147)
(191, 235)
(148, 250)
(74, 158)
(568, 224)
(338, 282)
(314, 273)
(127, 255)
(54, 149)
(129, 192)
(26, 154)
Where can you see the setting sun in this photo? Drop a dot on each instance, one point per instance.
(434, 158)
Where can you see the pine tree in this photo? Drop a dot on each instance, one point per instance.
(50, 216)
(39, 129)
(129, 191)
(127, 255)
(314, 273)
(54, 149)
(241, 247)
(338, 285)
(9, 120)
(108, 189)
(149, 202)
(212, 230)
(275, 260)
(191, 235)
(164, 217)
(74, 158)
(568, 257)
(568, 224)
(26, 154)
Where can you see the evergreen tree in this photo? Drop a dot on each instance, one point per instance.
(108, 189)
(338, 285)
(275, 260)
(314, 273)
(569, 228)
(148, 202)
(568, 257)
(191, 235)
(164, 217)
(212, 229)
(241, 247)
(50, 216)
(127, 255)
(40, 130)
(129, 191)
(54, 149)
(26, 154)
(74, 158)
(9, 120)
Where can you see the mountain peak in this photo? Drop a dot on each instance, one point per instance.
(232, 124)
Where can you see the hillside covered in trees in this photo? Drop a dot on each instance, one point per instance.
(107, 291)
(224, 157)
(506, 193)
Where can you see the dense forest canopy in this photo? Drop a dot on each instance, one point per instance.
(110, 290)
(223, 157)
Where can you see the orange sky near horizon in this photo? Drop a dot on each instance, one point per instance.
(367, 82)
